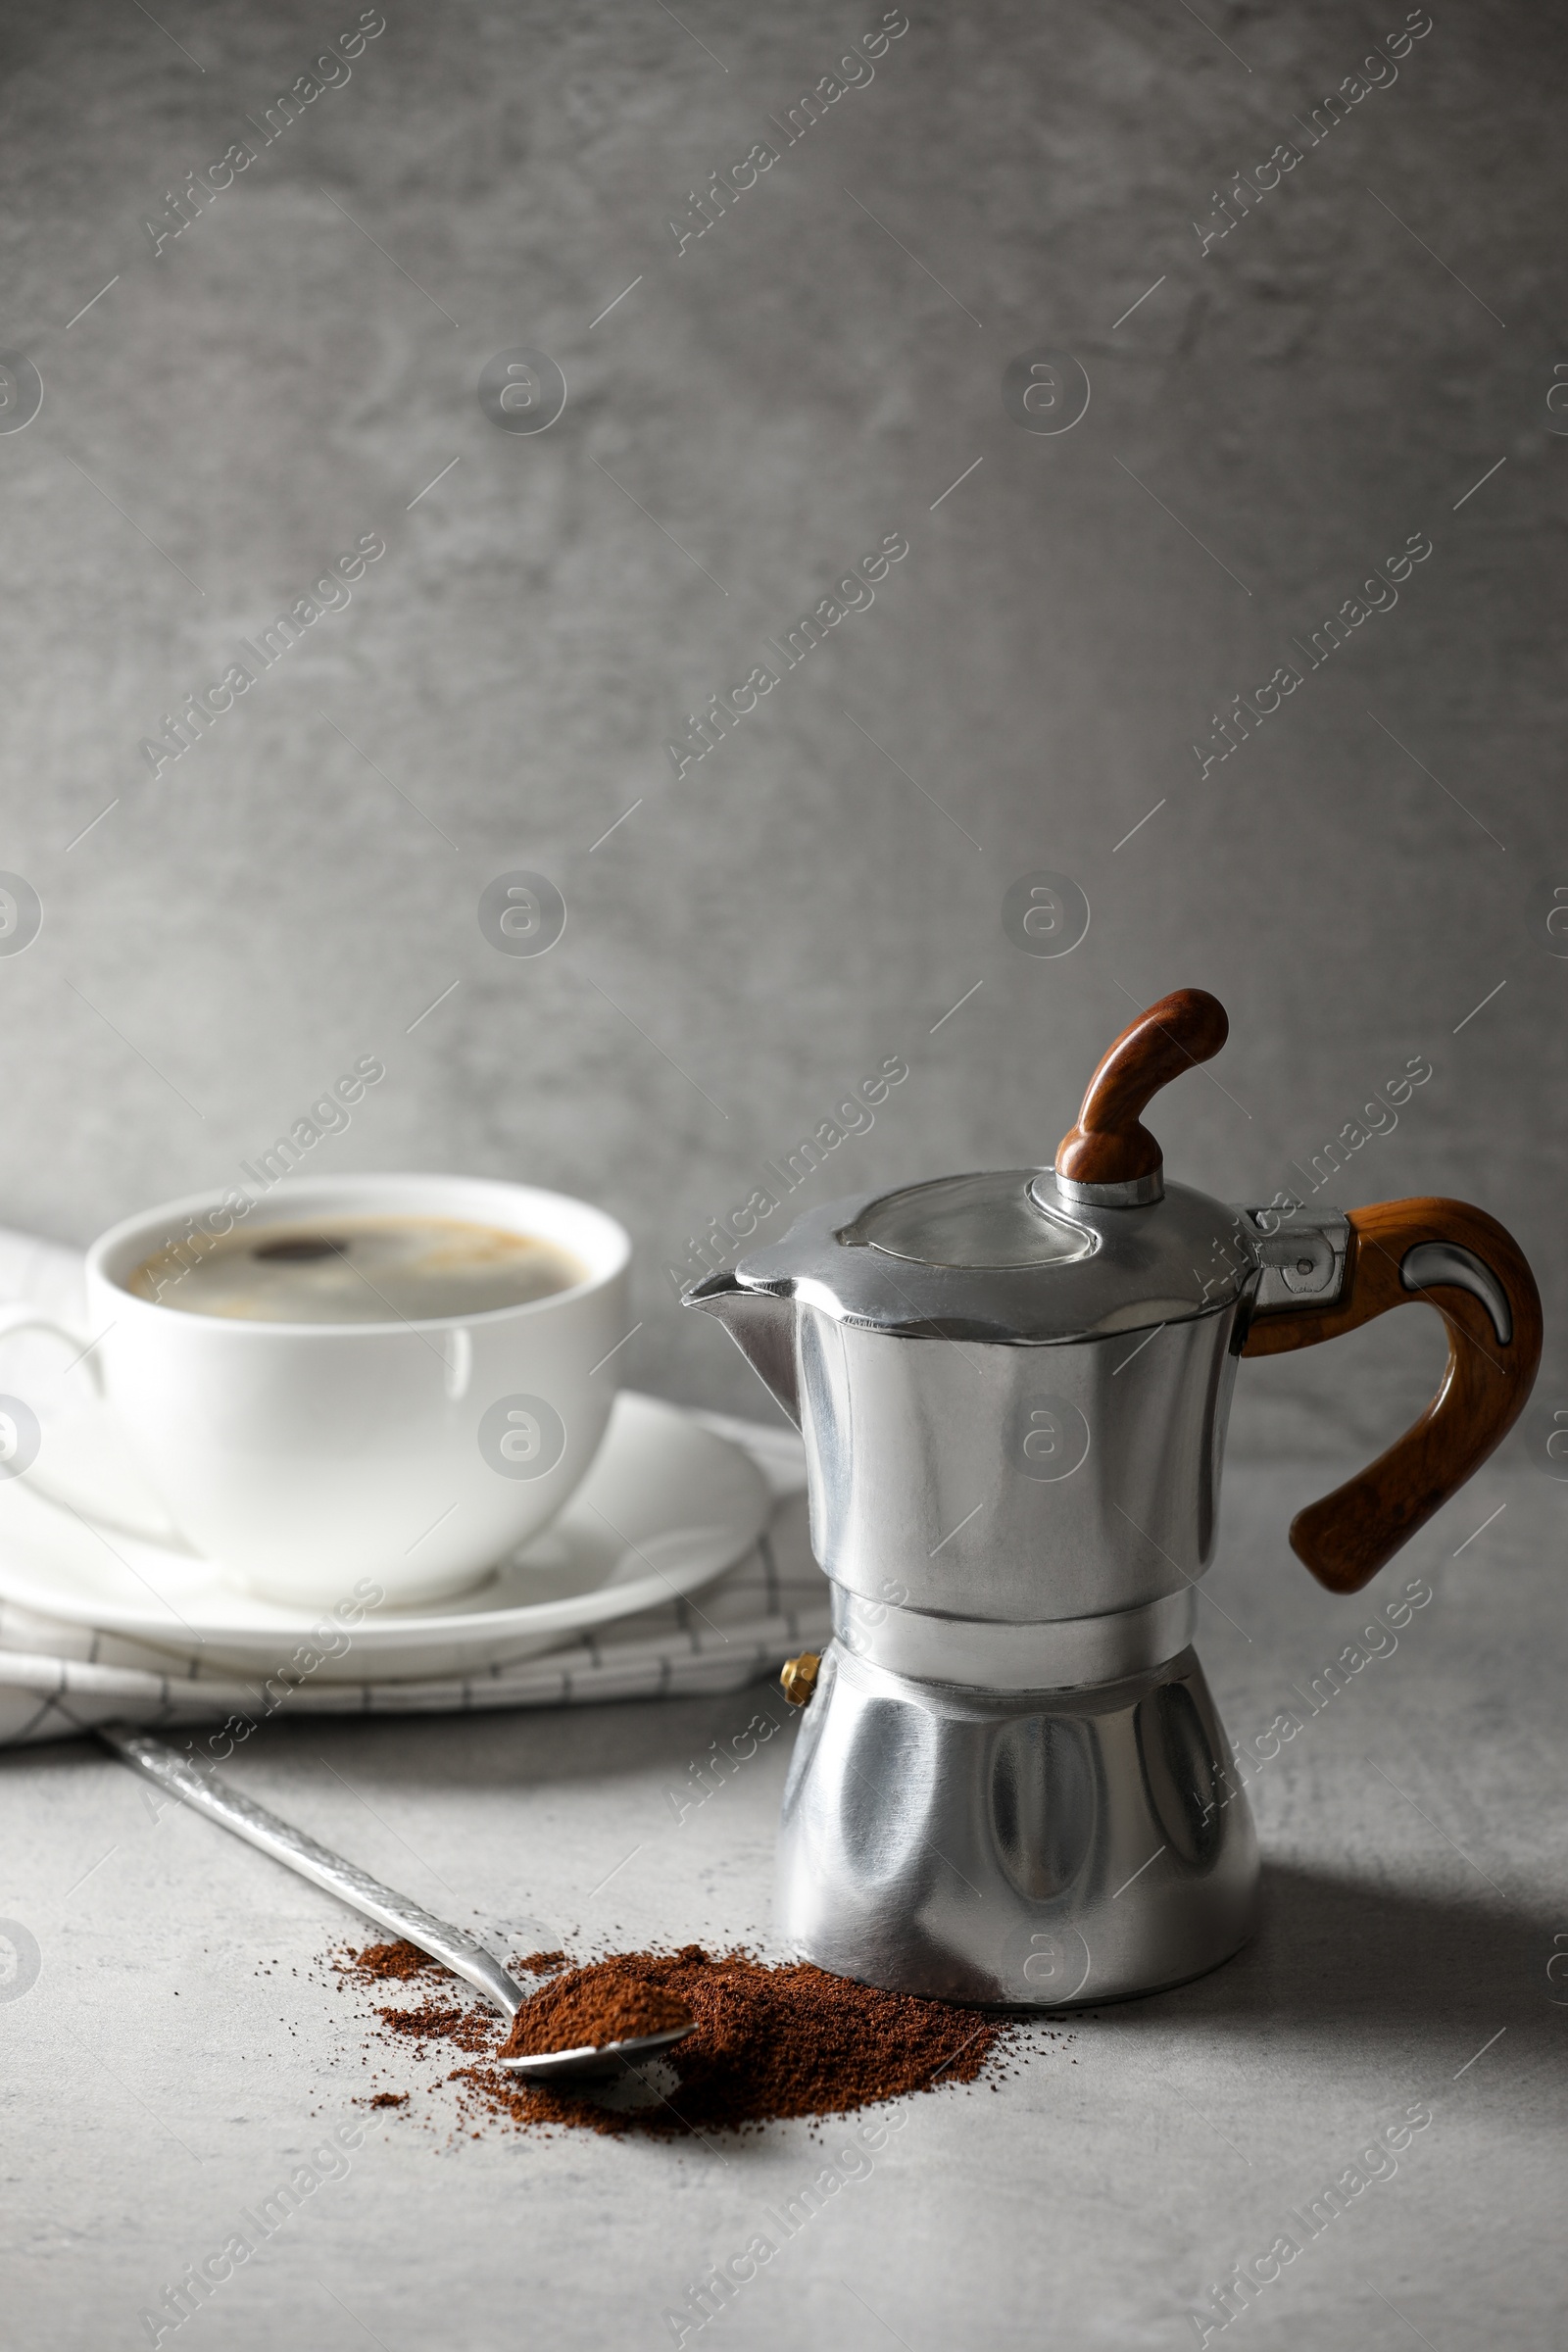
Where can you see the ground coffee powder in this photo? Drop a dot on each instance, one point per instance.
(770, 2040)
(587, 2007)
(398, 1961)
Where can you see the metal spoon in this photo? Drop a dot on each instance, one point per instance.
(453, 1946)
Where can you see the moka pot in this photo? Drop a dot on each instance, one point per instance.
(1011, 1785)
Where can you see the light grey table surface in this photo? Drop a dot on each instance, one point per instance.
(156, 2086)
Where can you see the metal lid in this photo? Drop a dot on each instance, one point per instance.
(1009, 1257)
(992, 1220)
(1040, 1256)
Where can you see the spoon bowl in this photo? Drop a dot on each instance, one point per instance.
(595, 2063)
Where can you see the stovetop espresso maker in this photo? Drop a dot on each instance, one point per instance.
(1011, 1785)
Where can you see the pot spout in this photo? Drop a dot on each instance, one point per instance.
(761, 1326)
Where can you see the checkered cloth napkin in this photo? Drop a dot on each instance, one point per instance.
(58, 1679)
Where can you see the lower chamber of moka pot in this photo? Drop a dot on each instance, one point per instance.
(1045, 1849)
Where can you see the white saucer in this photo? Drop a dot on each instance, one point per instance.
(666, 1507)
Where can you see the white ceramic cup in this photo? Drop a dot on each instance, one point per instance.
(299, 1456)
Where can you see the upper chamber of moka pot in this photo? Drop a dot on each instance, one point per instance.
(1013, 1387)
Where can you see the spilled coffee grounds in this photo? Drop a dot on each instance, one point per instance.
(590, 2006)
(770, 2040)
(398, 1961)
(438, 2018)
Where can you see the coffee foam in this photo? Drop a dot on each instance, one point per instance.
(357, 1269)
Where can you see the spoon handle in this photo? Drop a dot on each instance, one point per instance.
(204, 1790)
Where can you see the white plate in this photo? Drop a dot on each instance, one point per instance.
(666, 1507)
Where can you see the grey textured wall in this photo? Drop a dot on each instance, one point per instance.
(1284, 409)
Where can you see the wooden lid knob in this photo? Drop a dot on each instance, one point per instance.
(1110, 1146)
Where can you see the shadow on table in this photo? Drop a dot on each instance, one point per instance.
(1338, 1953)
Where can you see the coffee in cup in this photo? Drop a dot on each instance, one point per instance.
(359, 1269)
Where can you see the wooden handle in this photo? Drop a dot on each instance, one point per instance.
(1472, 1270)
(1108, 1146)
